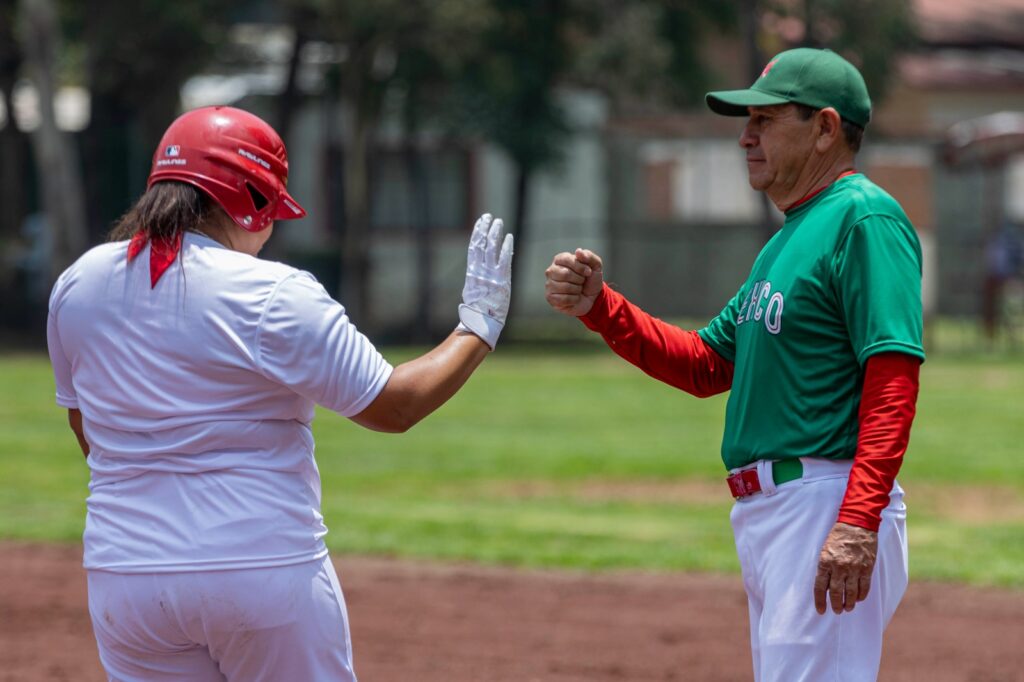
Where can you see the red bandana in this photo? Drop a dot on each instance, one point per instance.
(162, 253)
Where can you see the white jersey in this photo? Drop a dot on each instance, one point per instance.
(197, 399)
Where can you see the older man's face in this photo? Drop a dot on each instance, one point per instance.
(778, 144)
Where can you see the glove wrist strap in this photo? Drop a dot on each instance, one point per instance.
(484, 326)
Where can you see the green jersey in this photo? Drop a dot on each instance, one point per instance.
(839, 282)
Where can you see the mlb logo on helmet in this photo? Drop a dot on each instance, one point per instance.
(172, 150)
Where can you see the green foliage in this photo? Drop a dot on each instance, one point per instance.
(572, 458)
(650, 50)
(868, 32)
(506, 93)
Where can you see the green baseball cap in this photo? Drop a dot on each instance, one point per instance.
(816, 78)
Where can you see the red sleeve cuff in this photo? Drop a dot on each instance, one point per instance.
(599, 315)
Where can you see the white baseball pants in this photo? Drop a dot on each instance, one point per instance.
(779, 534)
(263, 624)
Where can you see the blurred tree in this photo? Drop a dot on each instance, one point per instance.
(301, 16)
(508, 94)
(411, 46)
(136, 57)
(57, 161)
(649, 51)
(13, 142)
(365, 29)
(867, 32)
(639, 50)
(424, 73)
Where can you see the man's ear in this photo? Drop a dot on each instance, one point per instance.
(830, 129)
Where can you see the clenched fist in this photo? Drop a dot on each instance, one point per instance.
(573, 281)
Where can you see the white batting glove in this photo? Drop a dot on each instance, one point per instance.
(488, 289)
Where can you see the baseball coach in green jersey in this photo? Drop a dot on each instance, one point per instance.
(821, 349)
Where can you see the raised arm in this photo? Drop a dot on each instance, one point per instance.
(678, 357)
(418, 387)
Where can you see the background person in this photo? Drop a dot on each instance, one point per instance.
(821, 347)
(190, 369)
(1004, 263)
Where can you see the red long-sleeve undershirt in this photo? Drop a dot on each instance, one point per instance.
(682, 359)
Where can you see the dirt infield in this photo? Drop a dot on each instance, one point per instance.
(418, 622)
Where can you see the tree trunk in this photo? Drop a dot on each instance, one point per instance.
(355, 257)
(519, 229)
(13, 145)
(56, 158)
(287, 101)
(750, 20)
(286, 104)
(12, 166)
(422, 330)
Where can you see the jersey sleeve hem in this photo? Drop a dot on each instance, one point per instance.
(715, 346)
(890, 347)
(371, 393)
(69, 402)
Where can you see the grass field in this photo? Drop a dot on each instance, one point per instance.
(572, 458)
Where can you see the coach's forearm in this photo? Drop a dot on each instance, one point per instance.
(418, 387)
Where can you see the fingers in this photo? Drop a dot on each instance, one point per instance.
(505, 257)
(863, 587)
(589, 258)
(844, 567)
(569, 262)
(839, 590)
(478, 240)
(494, 242)
(821, 582)
(836, 585)
(565, 302)
(832, 589)
(852, 590)
(559, 273)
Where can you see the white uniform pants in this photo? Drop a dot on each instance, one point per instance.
(264, 624)
(779, 535)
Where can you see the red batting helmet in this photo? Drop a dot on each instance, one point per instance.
(234, 157)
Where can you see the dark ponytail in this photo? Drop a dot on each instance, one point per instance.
(166, 209)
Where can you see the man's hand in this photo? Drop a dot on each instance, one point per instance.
(487, 291)
(573, 281)
(844, 567)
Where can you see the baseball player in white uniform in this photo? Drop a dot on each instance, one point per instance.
(190, 369)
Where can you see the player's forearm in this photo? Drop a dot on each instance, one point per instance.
(75, 421)
(888, 405)
(675, 356)
(420, 386)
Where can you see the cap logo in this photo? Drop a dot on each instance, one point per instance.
(172, 150)
(768, 68)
